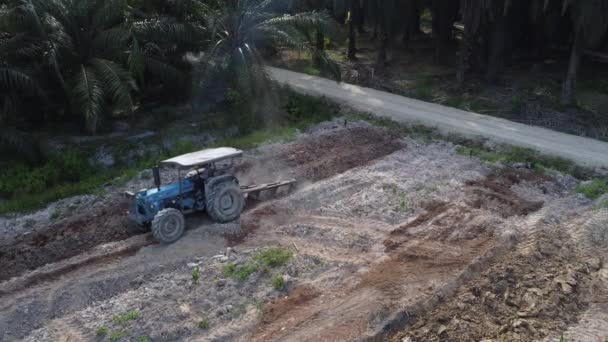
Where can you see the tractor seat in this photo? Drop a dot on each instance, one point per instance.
(195, 173)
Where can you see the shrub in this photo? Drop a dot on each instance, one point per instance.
(204, 324)
(273, 257)
(102, 331)
(240, 272)
(196, 273)
(126, 317)
(593, 189)
(278, 282)
(304, 111)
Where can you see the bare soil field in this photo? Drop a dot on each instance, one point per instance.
(389, 238)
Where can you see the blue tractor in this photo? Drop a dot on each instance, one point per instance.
(204, 184)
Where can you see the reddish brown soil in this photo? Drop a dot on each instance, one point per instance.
(512, 300)
(318, 157)
(310, 159)
(494, 193)
(299, 296)
(70, 237)
(322, 157)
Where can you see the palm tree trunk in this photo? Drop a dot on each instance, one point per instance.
(382, 51)
(415, 25)
(569, 86)
(497, 49)
(320, 46)
(361, 16)
(352, 35)
(466, 51)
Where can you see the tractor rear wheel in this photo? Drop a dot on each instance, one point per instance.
(168, 225)
(225, 202)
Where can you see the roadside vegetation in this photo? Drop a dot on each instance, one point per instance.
(270, 258)
(71, 173)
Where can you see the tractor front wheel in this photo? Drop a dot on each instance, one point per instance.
(225, 202)
(168, 226)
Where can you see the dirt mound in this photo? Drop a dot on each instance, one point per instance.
(533, 291)
(69, 237)
(459, 221)
(320, 156)
(494, 193)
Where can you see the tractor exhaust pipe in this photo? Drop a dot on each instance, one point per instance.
(156, 174)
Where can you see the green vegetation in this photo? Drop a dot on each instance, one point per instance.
(423, 90)
(101, 331)
(126, 317)
(143, 339)
(268, 258)
(203, 324)
(273, 257)
(196, 274)
(71, 174)
(538, 161)
(278, 282)
(117, 335)
(240, 272)
(416, 131)
(593, 189)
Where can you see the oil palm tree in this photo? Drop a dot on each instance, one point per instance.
(240, 31)
(83, 45)
(590, 20)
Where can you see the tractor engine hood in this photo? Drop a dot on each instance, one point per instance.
(169, 191)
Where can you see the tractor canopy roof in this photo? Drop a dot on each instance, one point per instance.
(203, 157)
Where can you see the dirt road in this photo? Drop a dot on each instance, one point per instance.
(585, 151)
(386, 242)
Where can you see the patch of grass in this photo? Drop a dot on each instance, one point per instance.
(517, 104)
(203, 324)
(273, 257)
(196, 274)
(143, 339)
(312, 70)
(593, 189)
(126, 317)
(418, 130)
(101, 331)
(424, 90)
(512, 154)
(117, 335)
(304, 111)
(240, 272)
(278, 282)
(404, 205)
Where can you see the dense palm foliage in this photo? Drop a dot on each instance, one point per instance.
(83, 45)
(84, 61)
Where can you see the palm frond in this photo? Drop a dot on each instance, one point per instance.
(16, 81)
(326, 64)
(87, 97)
(306, 21)
(110, 13)
(116, 81)
(165, 31)
(162, 70)
(110, 42)
(136, 61)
